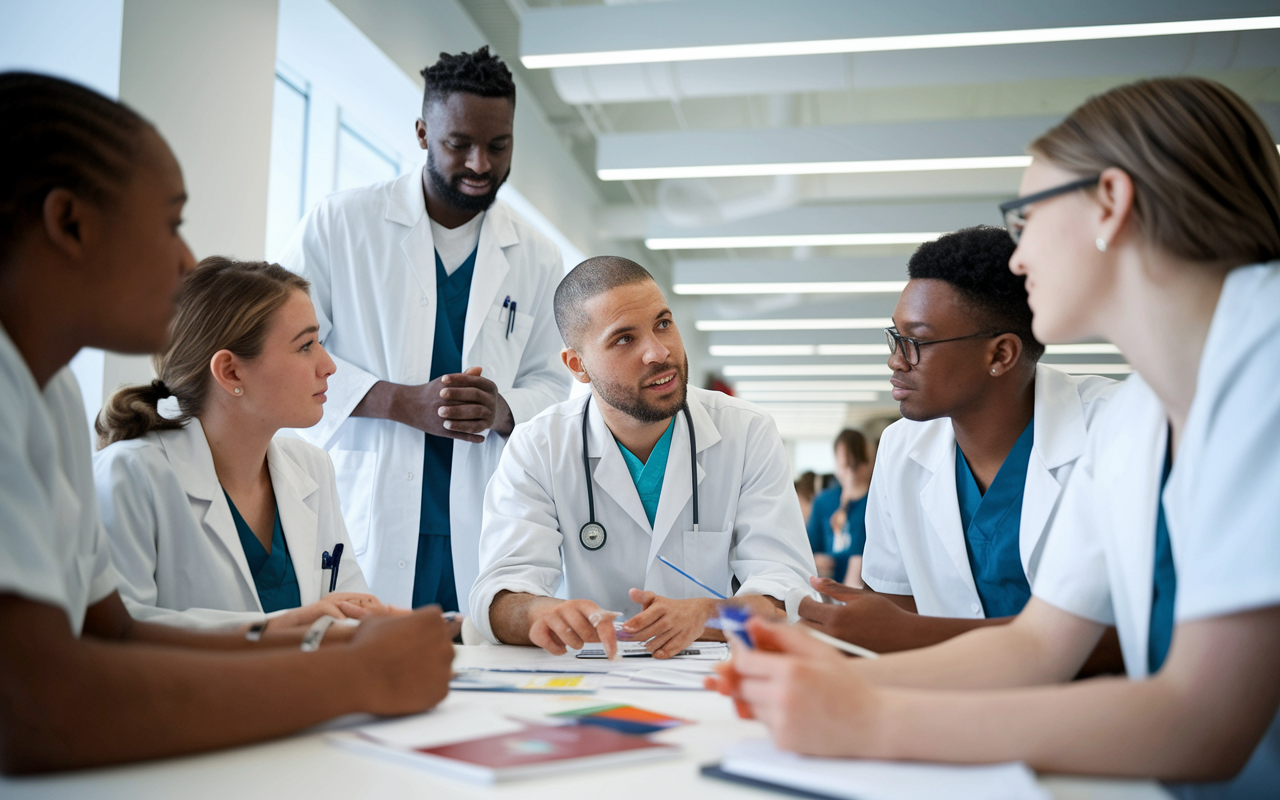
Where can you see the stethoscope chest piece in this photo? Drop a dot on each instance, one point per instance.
(592, 536)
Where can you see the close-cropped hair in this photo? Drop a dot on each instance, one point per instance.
(1205, 169)
(57, 134)
(594, 276)
(976, 262)
(479, 73)
(224, 305)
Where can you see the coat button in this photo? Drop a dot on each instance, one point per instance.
(401, 565)
(975, 608)
(409, 477)
(424, 300)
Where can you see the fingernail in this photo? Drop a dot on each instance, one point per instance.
(660, 653)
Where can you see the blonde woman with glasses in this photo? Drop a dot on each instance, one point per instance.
(1148, 218)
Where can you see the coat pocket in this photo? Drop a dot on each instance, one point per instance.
(706, 557)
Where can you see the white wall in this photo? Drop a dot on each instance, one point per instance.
(203, 74)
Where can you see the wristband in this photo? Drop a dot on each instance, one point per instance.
(255, 631)
(315, 634)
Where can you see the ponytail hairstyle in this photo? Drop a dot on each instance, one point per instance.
(1205, 168)
(58, 135)
(224, 305)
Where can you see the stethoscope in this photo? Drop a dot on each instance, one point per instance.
(593, 535)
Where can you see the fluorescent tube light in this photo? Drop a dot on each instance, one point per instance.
(810, 397)
(1093, 369)
(872, 44)
(839, 324)
(814, 386)
(807, 287)
(788, 240)
(1081, 349)
(812, 168)
(740, 350)
(803, 370)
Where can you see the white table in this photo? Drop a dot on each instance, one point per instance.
(307, 766)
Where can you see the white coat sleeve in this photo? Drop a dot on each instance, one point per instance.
(882, 566)
(541, 379)
(127, 502)
(770, 552)
(520, 536)
(309, 254)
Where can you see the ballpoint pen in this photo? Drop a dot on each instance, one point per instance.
(331, 562)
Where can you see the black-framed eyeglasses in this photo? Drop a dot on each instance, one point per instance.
(1013, 211)
(911, 347)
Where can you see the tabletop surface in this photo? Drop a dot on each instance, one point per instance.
(307, 765)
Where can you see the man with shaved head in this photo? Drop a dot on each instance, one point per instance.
(647, 497)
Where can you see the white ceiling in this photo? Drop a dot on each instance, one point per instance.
(828, 119)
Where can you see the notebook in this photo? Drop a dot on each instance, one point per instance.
(509, 755)
(758, 763)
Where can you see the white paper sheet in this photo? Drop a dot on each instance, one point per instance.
(882, 780)
(455, 722)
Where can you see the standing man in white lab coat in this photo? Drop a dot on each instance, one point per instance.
(435, 302)
(594, 492)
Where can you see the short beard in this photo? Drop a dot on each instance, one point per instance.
(635, 406)
(455, 197)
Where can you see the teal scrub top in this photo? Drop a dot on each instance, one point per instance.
(273, 574)
(819, 526)
(842, 545)
(1165, 585)
(647, 476)
(433, 580)
(992, 523)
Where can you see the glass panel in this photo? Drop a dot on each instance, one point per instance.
(288, 165)
(360, 162)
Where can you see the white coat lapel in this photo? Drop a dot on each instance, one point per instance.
(192, 460)
(1059, 439)
(496, 232)
(292, 486)
(677, 488)
(610, 471)
(938, 498)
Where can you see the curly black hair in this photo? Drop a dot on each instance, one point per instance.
(976, 262)
(479, 73)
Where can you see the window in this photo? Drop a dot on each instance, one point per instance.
(287, 177)
(360, 161)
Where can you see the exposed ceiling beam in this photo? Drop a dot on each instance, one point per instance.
(826, 225)
(721, 29)
(991, 143)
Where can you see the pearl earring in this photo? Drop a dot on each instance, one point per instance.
(993, 372)
(238, 390)
(1101, 243)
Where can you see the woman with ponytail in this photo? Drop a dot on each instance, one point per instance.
(91, 255)
(1149, 217)
(213, 520)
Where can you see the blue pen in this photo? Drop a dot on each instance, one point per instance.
(690, 577)
(511, 319)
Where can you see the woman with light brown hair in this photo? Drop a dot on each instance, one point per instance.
(213, 520)
(1148, 218)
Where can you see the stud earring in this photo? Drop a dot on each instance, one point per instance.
(238, 390)
(1101, 243)
(993, 372)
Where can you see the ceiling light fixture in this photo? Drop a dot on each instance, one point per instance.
(816, 324)
(872, 44)
(812, 168)
(816, 386)
(788, 240)
(747, 350)
(806, 287)
(1081, 349)
(809, 397)
(804, 370)
(1093, 369)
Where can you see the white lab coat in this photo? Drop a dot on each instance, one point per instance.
(1221, 501)
(370, 259)
(173, 539)
(750, 527)
(52, 549)
(915, 544)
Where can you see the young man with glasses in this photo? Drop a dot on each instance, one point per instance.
(966, 484)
